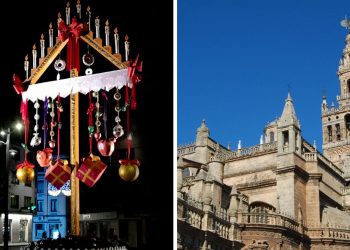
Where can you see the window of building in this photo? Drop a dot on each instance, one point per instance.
(27, 201)
(40, 206)
(23, 230)
(53, 205)
(337, 130)
(40, 187)
(28, 184)
(39, 229)
(285, 138)
(329, 129)
(272, 136)
(14, 201)
(9, 229)
(348, 85)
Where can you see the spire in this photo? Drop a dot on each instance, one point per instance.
(202, 134)
(288, 115)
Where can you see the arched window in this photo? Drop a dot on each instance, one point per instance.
(272, 136)
(329, 130)
(347, 121)
(348, 85)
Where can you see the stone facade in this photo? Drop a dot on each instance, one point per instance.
(280, 194)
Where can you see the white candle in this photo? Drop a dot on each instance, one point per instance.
(26, 66)
(34, 56)
(97, 25)
(107, 32)
(59, 19)
(126, 43)
(79, 9)
(67, 14)
(42, 46)
(89, 17)
(116, 40)
(50, 35)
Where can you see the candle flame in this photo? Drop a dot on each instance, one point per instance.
(88, 8)
(126, 38)
(67, 4)
(78, 2)
(107, 22)
(59, 15)
(42, 36)
(26, 57)
(34, 47)
(116, 30)
(50, 25)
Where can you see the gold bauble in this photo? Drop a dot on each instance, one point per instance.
(129, 172)
(25, 174)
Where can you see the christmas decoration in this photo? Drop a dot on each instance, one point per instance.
(129, 169)
(91, 170)
(25, 170)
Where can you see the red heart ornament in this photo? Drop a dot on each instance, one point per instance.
(105, 147)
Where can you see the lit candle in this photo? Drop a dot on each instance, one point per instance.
(50, 35)
(42, 46)
(88, 12)
(67, 14)
(79, 9)
(97, 25)
(34, 56)
(126, 48)
(116, 40)
(59, 19)
(107, 32)
(26, 66)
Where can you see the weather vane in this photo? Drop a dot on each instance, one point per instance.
(345, 23)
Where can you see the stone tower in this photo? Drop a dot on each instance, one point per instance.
(336, 120)
(288, 151)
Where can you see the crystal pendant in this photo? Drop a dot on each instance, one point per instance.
(118, 131)
(35, 141)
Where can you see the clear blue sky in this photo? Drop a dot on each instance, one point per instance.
(238, 58)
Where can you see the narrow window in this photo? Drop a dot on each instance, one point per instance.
(337, 131)
(285, 138)
(272, 136)
(53, 205)
(329, 128)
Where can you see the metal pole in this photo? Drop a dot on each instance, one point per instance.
(6, 221)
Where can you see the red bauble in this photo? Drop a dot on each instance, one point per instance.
(44, 157)
(106, 147)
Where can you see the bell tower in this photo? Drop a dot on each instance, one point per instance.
(336, 119)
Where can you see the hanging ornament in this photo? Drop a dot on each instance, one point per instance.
(36, 140)
(59, 66)
(91, 170)
(129, 169)
(44, 156)
(25, 170)
(88, 60)
(98, 114)
(53, 124)
(118, 130)
(59, 171)
(105, 146)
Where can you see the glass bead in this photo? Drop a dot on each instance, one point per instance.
(36, 116)
(36, 105)
(91, 129)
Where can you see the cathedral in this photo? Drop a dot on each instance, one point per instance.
(280, 194)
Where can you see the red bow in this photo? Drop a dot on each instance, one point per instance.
(25, 163)
(131, 162)
(134, 73)
(18, 84)
(71, 32)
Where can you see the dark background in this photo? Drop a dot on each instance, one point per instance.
(149, 26)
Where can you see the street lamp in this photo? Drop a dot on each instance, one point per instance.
(6, 188)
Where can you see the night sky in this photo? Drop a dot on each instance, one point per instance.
(152, 122)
